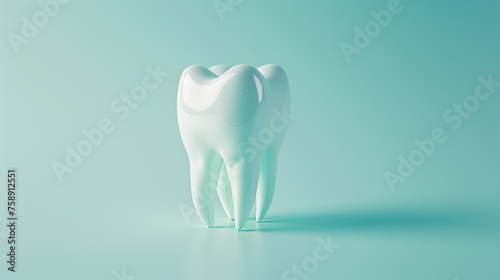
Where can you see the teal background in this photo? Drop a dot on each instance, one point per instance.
(120, 207)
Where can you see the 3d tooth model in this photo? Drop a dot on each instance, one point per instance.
(232, 121)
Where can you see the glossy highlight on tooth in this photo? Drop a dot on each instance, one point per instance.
(233, 121)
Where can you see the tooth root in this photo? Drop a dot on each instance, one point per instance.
(267, 182)
(225, 194)
(204, 173)
(243, 177)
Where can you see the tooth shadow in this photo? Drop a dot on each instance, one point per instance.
(379, 220)
(223, 226)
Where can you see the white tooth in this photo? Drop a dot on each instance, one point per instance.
(219, 69)
(278, 95)
(232, 126)
(225, 194)
(258, 84)
(196, 97)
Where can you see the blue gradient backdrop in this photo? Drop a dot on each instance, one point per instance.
(127, 205)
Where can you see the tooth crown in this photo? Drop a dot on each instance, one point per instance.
(220, 110)
(236, 93)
